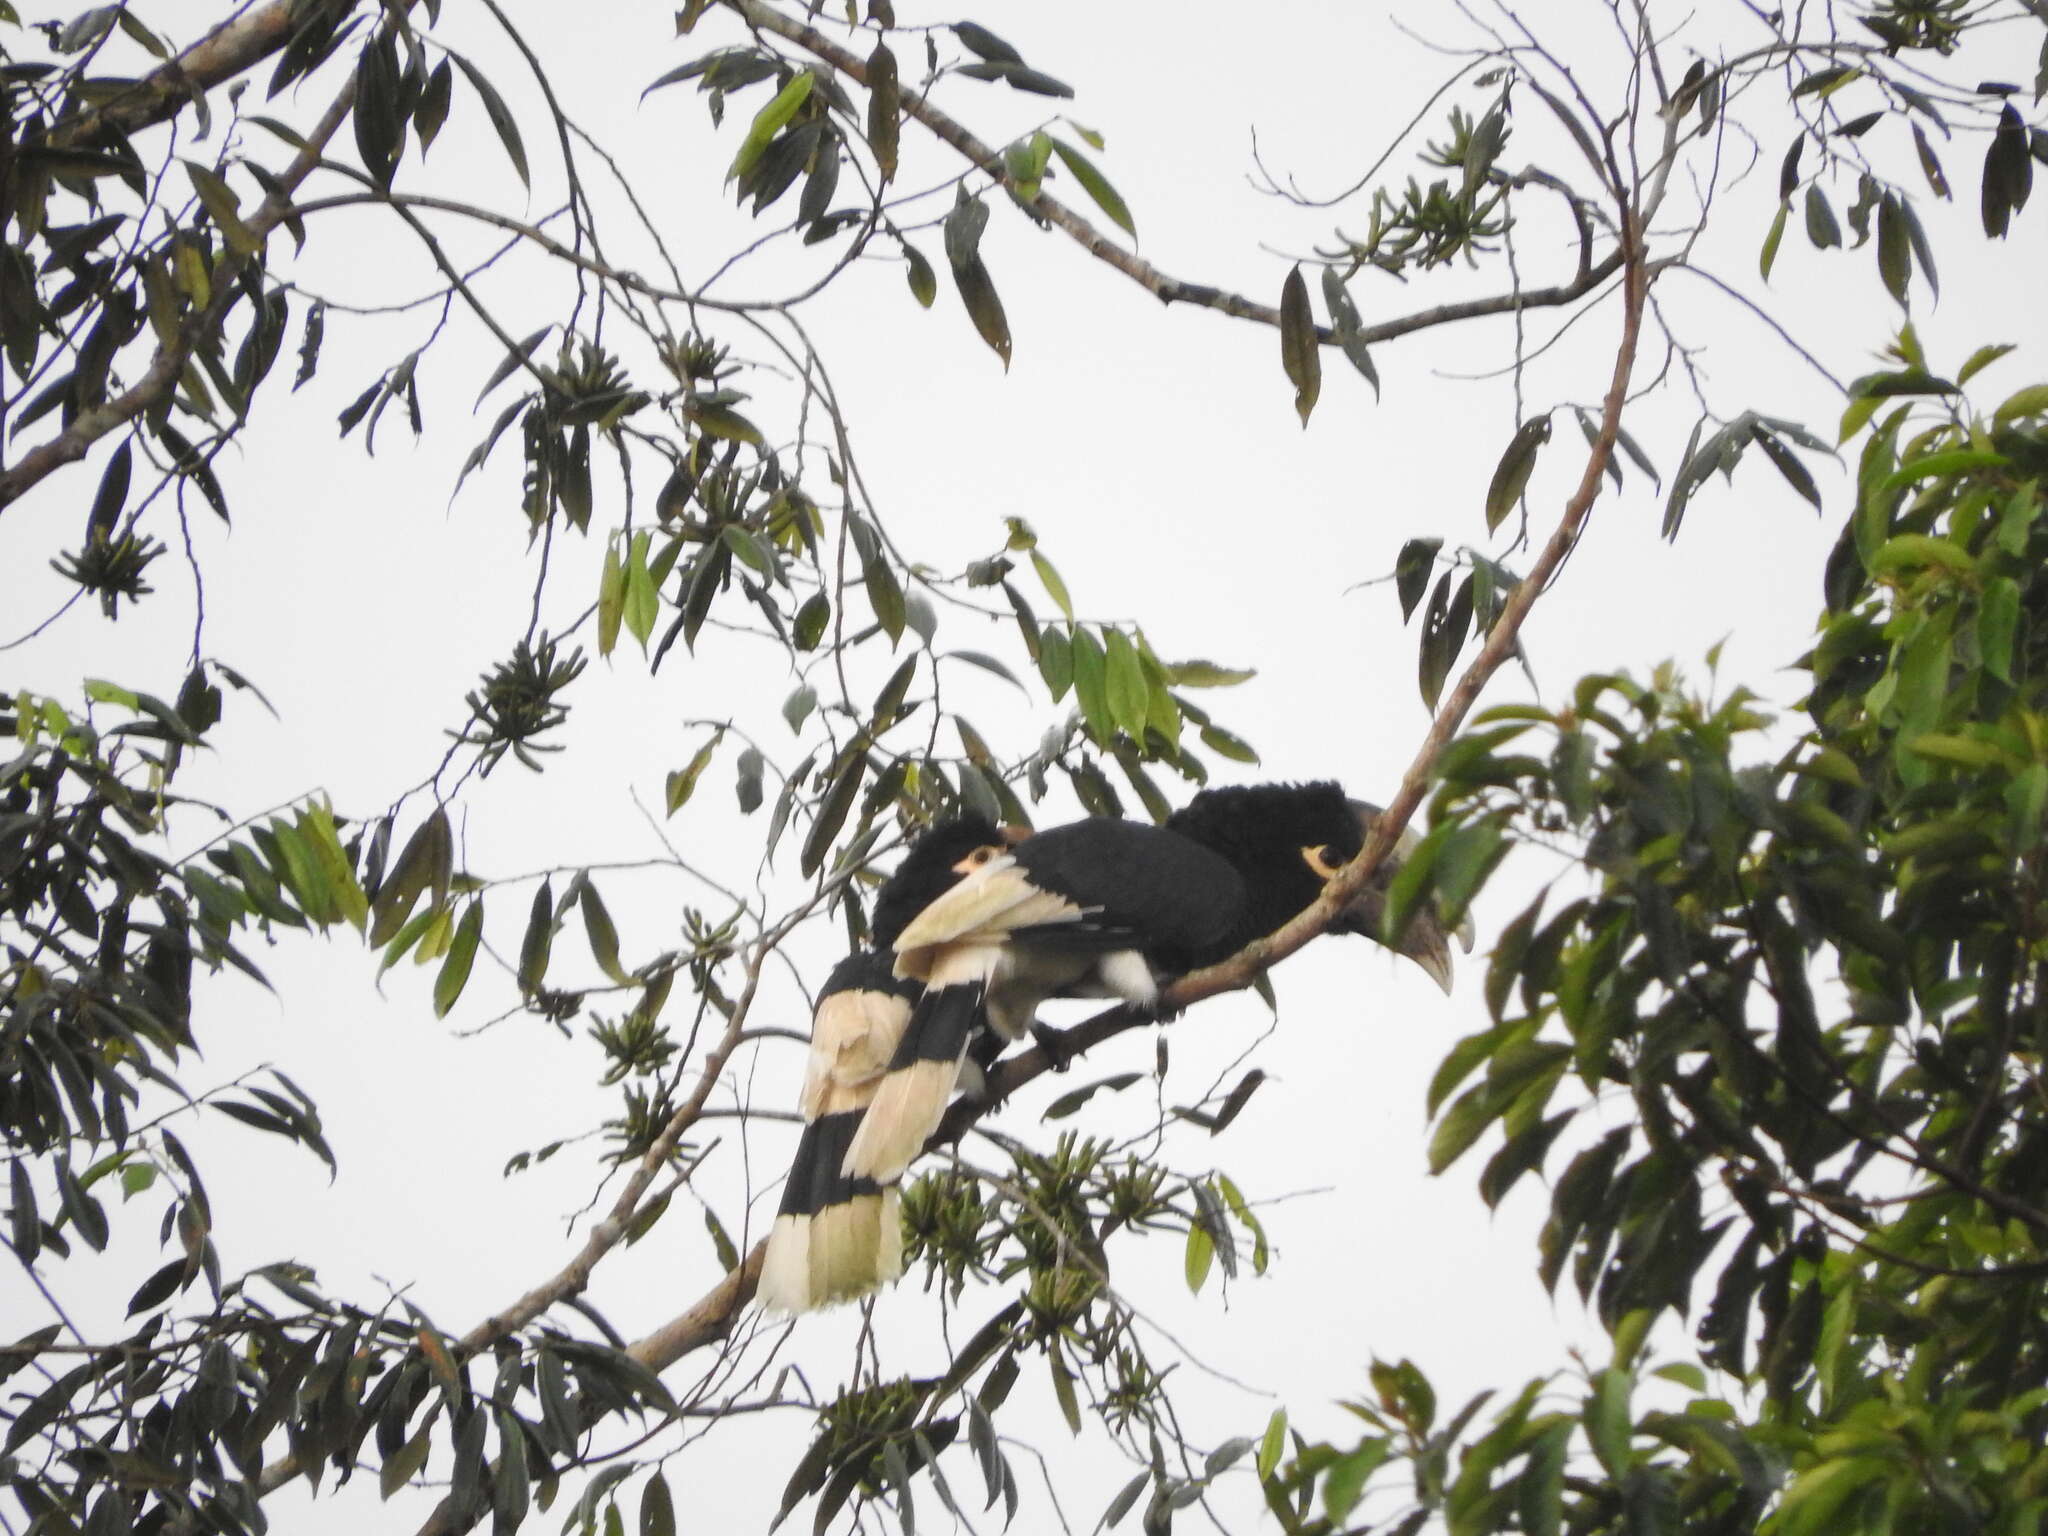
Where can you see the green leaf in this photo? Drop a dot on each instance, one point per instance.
(1200, 1255)
(538, 940)
(1273, 1443)
(1412, 569)
(502, 121)
(1771, 241)
(811, 620)
(641, 604)
(770, 121)
(223, 208)
(1607, 1420)
(1894, 252)
(1511, 474)
(1206, 674)
(1998, 612)
(683, 782)
(1091, 684)
(924, 283)
(599, 929)
(611, 599)
(1055, 588)
(984, 306)
(1300, 352)
(885, 596)
(1224, 744)
(885, 111)
(832, 813)
(1097, 186)
(1125, 690)
(1821, 226)
(454, 973)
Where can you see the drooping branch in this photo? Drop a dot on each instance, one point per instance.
(1163, 286)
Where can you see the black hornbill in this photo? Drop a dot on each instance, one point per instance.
(835, 1235)
(1105, 908)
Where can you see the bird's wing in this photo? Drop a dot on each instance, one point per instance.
(1096, 884)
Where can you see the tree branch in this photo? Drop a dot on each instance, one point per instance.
(168, 366)
(235, 45)
(1164, 287)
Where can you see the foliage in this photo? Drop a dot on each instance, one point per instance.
(1809, 990)
(1873, 1282)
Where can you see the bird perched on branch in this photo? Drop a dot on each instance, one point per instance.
(1111, 909)
(835, 1235)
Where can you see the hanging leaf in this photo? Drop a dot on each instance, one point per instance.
(984, 43)
(832, 813)
(454, 973)
(1411, 572)
(1054, 586)
(2008, 172)
(682, 783)
(1125, 691)
(1096, 185)
(1930, 163)
(1300, 354)
(1511, 475)
(538, 941)
(1821, 228)
(599, 929)
(924, 283)
(885, 109)
(502, 121)
(1796, 474)
(984, 307)
(1769, 255)
(1894, 253)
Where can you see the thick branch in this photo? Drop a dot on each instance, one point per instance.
(1167, 289)
(230, 48)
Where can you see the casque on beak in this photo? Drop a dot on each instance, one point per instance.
(1426, 941)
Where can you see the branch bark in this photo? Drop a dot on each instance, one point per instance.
(237, 44)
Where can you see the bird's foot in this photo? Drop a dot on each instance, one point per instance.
(1058, 1053)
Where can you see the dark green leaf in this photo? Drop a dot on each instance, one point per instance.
(1300, 351)
(1511, 474)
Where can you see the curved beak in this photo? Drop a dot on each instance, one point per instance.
(1426, 941)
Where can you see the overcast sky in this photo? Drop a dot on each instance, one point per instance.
(1157, 454)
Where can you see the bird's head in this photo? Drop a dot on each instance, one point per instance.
(1288, 840)
(946, 852)
(1425, 940)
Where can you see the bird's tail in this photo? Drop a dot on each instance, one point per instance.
(835, 1237)
(911, 1098)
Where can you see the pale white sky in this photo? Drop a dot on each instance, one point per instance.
(1157, 454)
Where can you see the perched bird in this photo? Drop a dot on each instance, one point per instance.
(837, 1236)
(1106, 908)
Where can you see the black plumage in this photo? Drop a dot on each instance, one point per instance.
(838, 1235)
(1100, 908)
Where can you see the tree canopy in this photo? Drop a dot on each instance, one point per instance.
(1767, 1024)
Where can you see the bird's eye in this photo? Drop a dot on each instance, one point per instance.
(1324, 859)
(974, 861)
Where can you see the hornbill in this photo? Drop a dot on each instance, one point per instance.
(837, 1236)
(1106, 908)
